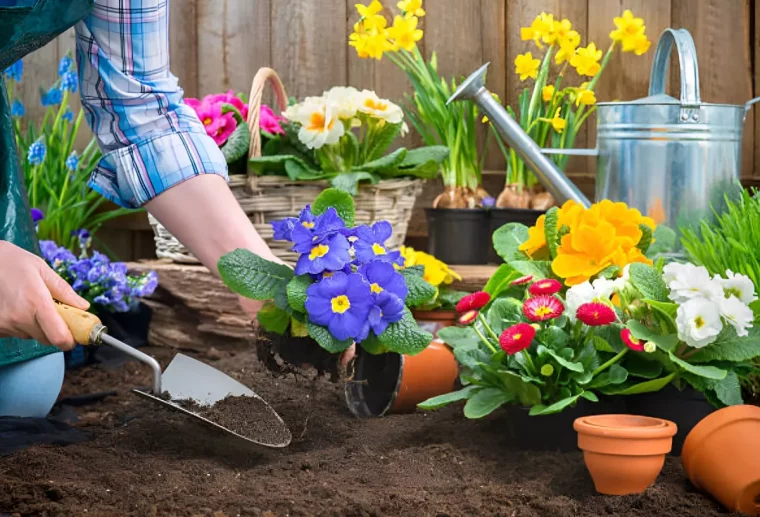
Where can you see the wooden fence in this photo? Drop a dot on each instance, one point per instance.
(219, 44)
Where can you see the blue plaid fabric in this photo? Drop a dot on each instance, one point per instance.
(150, 139)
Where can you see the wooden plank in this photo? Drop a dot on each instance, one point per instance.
(721, 31)
(309, 45)
(234, 41)
(627, 75)
(183, 44)
(521, 13)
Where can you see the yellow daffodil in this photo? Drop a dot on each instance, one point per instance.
(586, 60)
(558, 123)
(567, 47)
(526, 66)
(627, 27)
(560, 30)
(547, 92)
(638, 45)
(584, 96)
(369, 42)
(413, 7)
(540, 27)
(368, 11)
(496, 97)
(405, 33)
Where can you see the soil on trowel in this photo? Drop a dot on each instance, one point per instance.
(145, 461)
(250, 417)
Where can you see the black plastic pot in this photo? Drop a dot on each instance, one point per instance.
(685, 408)
(555, 432)
(458, 236)
(501, 216)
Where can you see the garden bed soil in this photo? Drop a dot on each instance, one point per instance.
(145, 461)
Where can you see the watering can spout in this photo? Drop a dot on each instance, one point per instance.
(553, 179)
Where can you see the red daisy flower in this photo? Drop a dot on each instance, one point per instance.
(542, 308)
(595, 314)
(473, 302)
(468, 317)
(517, 338)
(548, 286)
(522, 280)
(631, 342)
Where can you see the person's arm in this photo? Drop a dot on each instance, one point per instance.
(156, 151)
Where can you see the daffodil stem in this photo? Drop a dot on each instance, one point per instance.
(483, 339)
(487, 326)
(609, 363)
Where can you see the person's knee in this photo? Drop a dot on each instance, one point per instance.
(30, 388)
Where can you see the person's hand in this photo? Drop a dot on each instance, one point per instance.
(27, 289)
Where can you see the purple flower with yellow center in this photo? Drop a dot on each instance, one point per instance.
(388, 308)
(383, 277)
(389, 291)
(370, 243)
(322, 227)
(328, 253)
(283, 229)
(341, 303)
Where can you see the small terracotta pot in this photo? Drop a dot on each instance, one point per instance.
(624, 453)
(721, 455)
(395, 383)
(433, 321)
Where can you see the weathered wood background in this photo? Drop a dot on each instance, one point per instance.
(219, 44)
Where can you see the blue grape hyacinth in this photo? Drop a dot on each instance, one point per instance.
(52, 97)
(69, 82)
(64, 65)
(72, 162)
(17, 109)
(36, 153)
(15, 71)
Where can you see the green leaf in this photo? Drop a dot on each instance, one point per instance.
(422, 155)
(591, 396)
(730, 347)
(554, 408)
(525, 393)
(273, 319)
(447, 398)
(503, 313)
(236, 145)
(501, 279)
(538, 268)
(405, 336)
(382, 140)
(448, 298)
(298, 329)
(251, 276)
(646, 238)
(649, 282)
(570, 365)
(616, 374)
(349, 181)
(640, 331)
(639, 366)
(426, 171)
(611, 334)
(507, 240)
(667, 309)
(728, 390)
(388, 161)
(459, 337)
(553, 337)
(373, 346)
(709, 372)
(420, 291)
(296, 291)
(326, 340)
(664, 241)
(550, 230)
(642, 387)
(340, 200)
(485, 402)
(610, 272)
(601, 345)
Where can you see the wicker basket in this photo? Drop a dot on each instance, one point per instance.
(270, 198)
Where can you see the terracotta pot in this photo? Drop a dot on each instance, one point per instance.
(433, 321)
(395, 383)
(624, 453)
(721, 455)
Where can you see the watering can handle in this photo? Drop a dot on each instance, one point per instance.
(687, 59)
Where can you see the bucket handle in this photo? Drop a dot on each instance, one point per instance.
(687, 59)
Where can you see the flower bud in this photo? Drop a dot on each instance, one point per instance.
(547, 370)
(649, 347)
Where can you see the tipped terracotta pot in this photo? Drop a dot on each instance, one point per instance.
(624, 453)
(721, 455)
(433, 321)
(395, 383)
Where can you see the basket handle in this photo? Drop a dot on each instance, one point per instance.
(254, 105)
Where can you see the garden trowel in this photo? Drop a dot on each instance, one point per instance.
(185, 379)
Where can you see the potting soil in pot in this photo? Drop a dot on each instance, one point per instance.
(143, 460)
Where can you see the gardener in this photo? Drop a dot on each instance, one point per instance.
(156, 154)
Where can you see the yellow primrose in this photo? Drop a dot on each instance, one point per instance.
(367, 11)
(496, 97)
(405, 33)
(413, 7)
(567, 47)
(558, 123)
(536, 238)
(627, 27)
(584, 96)
(547, 92)
(526, 66)
(586, 60)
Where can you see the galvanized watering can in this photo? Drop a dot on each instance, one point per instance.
(674, 160)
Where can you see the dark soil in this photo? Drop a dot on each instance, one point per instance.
(287, 355)
(250, 417)
(146, 461)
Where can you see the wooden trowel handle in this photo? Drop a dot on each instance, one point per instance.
(84, 326)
